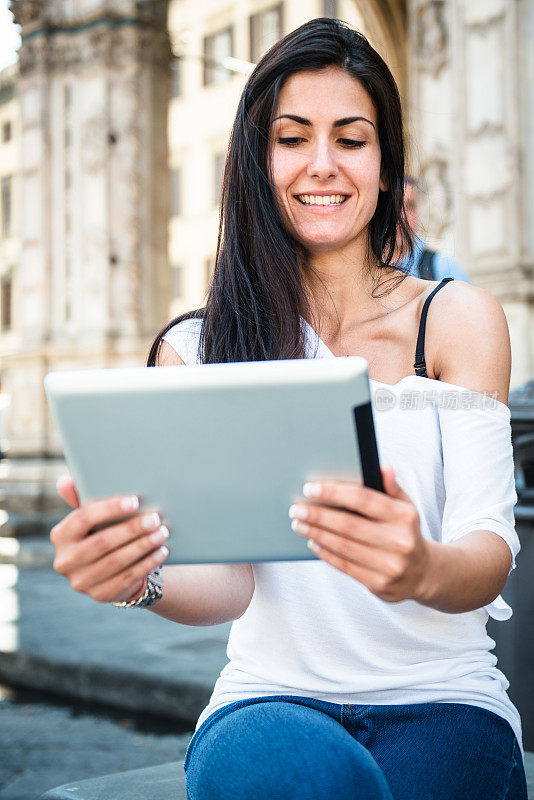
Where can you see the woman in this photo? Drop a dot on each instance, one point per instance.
(367, 672)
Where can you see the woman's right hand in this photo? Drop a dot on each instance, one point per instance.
(109, 565)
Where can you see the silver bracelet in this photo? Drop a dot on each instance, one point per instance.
(153, 592)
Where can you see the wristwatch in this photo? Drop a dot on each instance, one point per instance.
(152, 593)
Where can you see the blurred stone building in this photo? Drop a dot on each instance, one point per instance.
(113, 131)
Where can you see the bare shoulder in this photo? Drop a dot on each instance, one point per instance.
(470, 339)
(168, 357)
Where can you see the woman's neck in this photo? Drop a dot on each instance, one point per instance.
(340, 287)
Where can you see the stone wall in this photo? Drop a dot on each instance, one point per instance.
(92, 282)
(472, 113)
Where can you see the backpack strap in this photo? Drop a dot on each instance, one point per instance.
(425, 266)
(420, 365)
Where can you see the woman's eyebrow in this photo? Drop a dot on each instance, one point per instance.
(339, 123)
(347, 121)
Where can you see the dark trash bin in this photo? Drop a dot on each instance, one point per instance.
(515, 637)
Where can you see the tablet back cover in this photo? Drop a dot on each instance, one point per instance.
(222, 457)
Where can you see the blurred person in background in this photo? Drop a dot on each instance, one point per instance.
(426, 263)
(365, 672)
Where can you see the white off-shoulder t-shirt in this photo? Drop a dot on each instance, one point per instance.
(313, 631)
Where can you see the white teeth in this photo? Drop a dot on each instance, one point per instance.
(322, 200)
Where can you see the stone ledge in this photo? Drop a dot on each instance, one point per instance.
(162, 783)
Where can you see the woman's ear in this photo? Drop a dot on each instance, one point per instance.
(384, 186)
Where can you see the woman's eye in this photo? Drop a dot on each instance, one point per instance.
(353, 143)
(291, 141)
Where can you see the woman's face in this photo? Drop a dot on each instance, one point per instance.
(325, 159)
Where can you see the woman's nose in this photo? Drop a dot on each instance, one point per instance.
(322, 163)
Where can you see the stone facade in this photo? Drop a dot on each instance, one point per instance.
(471, 112)
(9, 219)
(91, 283)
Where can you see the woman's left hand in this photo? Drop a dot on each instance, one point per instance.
(371, 536)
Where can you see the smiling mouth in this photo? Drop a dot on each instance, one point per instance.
(322, 200)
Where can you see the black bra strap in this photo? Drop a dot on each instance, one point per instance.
(420, 366)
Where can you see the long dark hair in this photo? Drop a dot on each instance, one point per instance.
(257, 297)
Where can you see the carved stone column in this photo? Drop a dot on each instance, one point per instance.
(93, 88)
(465, 99)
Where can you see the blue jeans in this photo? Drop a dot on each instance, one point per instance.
(298, 748)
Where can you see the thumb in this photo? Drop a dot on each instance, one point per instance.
(391, 487)
(67, 490)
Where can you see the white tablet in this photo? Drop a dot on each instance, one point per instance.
(221, 450)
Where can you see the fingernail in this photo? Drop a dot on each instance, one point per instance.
(311, 489)
(313, 547)
(160, 535)
(300, 527)
(164, 551)
(299, 512)
(61, 479)
(130, 503)
(151, 521)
